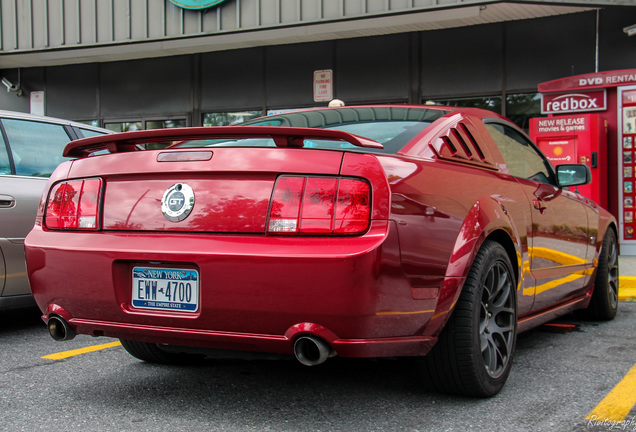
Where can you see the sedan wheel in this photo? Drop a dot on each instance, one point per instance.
(474, 352)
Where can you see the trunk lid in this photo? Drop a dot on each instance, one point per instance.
(231, 187)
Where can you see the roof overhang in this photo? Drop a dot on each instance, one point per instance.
(475, 13)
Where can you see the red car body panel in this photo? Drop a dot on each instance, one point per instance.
(385, 292)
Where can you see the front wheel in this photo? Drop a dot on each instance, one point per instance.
(473, 354)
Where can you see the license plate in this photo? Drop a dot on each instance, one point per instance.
(169, 289)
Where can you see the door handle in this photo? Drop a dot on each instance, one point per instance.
(7, 201)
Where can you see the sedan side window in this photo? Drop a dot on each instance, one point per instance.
(36, 146)
(521, 156)
(5, 165)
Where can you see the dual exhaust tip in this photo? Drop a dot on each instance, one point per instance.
(59, 329)
(312, 350)
(309, 350)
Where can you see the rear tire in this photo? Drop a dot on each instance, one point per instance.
(151, 353)
(604, 303)
(474, 352)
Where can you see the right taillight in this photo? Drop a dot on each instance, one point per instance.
(74, 205)
(319, 205)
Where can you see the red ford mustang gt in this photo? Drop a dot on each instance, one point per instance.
(356, 231)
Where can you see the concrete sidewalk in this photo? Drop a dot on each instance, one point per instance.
(627, 279)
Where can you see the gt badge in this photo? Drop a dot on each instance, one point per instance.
(177, 202)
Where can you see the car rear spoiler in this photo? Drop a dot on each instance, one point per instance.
(282, 136)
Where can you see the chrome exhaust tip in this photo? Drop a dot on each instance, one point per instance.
(311, 350)
(59, 329)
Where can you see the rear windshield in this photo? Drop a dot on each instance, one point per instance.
(393, 127)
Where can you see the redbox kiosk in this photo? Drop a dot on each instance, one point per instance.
(592, 120)
(580, 139)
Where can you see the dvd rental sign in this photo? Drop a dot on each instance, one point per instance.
(573, 102)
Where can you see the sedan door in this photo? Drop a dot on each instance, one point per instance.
(29, 152)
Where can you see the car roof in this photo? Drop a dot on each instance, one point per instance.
(47, 119)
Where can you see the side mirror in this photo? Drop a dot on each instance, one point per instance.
(573, 175)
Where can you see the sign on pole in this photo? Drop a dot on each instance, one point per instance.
(323, 85)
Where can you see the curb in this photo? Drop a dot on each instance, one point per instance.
(626, 287)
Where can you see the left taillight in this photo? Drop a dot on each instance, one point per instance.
(74, 205)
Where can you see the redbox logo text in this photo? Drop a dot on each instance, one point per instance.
(573, 102)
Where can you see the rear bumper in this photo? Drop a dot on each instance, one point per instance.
(379, 347)
(257, 293)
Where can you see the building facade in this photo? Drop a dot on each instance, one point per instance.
(134, 64)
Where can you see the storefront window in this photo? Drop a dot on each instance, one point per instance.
(165, 124)
(147, 124)
(492, 103)
(520, 108)
(124, 126)
(90, 122)
(229, 118)
(128, 126)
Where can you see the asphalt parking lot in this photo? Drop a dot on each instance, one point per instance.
(567, 377)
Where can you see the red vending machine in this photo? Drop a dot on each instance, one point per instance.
(610, 95)
(581, 139)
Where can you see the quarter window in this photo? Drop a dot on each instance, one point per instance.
(87, 133)
(521, 156)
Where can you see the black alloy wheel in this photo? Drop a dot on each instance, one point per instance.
(497, 320)
(474, 352)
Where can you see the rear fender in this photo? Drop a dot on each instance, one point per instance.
(487, 218)
(484, 218)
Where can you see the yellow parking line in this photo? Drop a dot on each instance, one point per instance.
(626, 287)
(67, 354)
(618, 403)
